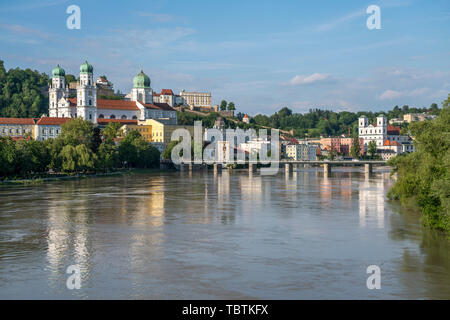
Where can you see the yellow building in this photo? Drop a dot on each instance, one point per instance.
(161, 133)
(144, 130)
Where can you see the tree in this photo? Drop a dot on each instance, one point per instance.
(111, 131)
(8, 154)
(223, 105)
(77, 131)
(424, 175)
(22, 92)
(372, 148)
(135, 152)
(77, 158)
(355, 149)
(231, 106)
(108, 155)
(70, 78)
(332, 153)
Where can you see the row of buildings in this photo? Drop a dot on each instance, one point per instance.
(152, 114)
(412, 117)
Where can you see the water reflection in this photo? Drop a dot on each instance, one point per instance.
(229, 235)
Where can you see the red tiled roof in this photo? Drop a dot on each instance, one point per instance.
(52, 121)
(123, 121)
(393, 130)
(245, 116)
(167, 92)
(161, 106)
(72, 102)
(111, 104)
(17, 121)
(391, 143)
(116, 104)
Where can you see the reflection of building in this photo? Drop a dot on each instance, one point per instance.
(372, 201)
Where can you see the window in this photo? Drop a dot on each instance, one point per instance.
(123, 117)
(112, 116)
(134, 117)
(90, 116)
(101, 116)
(90, 102)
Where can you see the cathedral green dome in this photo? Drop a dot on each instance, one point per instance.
(58, 72)
(141, 80)
(86, 68)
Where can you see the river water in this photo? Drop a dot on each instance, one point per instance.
(230, 236)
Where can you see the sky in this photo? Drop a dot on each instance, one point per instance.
(262, 55)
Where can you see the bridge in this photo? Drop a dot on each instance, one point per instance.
(288, 165)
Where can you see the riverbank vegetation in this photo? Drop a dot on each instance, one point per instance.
(424, 175)
(80, 148)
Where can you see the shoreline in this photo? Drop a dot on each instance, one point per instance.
(78, 176)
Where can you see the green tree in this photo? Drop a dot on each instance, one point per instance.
(372, 148)
(223, 105)
(111, 131)
(424, 175)
(8, 155)
(231, 106)
(355, 149)
(77, 131)
(135, 152)
(108, 155)
(78, 158)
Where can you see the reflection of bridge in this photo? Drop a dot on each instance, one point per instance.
(287, 164)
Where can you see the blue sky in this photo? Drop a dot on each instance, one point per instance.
(262, 55)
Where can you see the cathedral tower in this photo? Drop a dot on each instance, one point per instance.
(142, 91)
(57, 90)
(87, 94)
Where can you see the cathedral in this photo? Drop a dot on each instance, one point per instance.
(143, 104)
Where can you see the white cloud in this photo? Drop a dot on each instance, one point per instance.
(390, 94)
(313, 78)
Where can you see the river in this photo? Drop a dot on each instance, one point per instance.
(181, 235)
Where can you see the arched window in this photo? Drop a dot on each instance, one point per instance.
(90, 102)
(140, 97)
(112, 116)
(134, 117)
(124, 117)
(101, 116)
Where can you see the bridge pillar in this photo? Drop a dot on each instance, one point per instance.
(327, 169)
(288, 168)
(217, 168)
(368, 168)
(191, 166)
(252, 167)
(182, 167)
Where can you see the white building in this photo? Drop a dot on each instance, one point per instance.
(383, 134)
(141, 105)
(301, 152)
(196, 99)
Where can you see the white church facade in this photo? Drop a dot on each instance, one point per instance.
(142, 105)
